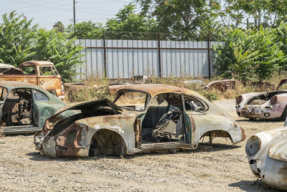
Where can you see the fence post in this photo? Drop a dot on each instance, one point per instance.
(105, 56)
(159, 56)
(208, 51)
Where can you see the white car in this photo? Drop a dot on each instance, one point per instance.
(267, 156)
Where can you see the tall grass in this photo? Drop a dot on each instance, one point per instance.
(91, 93)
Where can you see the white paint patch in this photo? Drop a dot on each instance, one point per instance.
(97, 126)
(117, 127)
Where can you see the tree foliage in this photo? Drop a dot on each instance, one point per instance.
(250, 55)
(191, 18)
(129, 25)
(59, 26)
(21, 41)
(16, 39)
(86, 30)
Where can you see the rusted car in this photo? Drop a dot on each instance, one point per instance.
(142, 118)
(24, 107)
(266, 153)
(221, 85)
(264, 105)
(229, 84)
(5, 67)
(41, 73)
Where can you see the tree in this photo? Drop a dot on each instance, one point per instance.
(249, 55)
(86, 30)
(183, 20)
(59, 26)
(16, 39)
(58, 48)
(269, 13)
(129, 25)
(20, 41)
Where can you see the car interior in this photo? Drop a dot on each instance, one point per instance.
(18, 107)
(163, 121)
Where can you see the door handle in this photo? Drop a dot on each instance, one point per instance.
(42, 82)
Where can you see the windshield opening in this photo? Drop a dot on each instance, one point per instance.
(132, 100)
(46, 70)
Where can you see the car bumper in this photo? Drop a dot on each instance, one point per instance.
(49, 146)
(272, 172)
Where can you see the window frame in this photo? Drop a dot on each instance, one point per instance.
(206, 106)
(1, 96)
(52, 70)
(147, 99)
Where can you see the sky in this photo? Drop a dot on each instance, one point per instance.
(47, 12)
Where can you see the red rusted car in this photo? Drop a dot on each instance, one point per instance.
(264, 105)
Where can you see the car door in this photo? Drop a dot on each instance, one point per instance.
(188, 126)
(159, 111)
(3, 95)
(42, 108)
(196, 111)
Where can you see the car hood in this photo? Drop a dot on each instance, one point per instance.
(88, 106)
(278, 149)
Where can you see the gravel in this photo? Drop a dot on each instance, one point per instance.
(222, 167)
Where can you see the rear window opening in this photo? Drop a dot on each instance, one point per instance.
(63, 123)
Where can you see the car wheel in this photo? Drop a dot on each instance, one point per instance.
(284, 114)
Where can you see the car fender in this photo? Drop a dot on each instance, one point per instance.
(222, 124)
(281, 103)
(245, 98)
(266, 139)
(278, 148)
(122, 124)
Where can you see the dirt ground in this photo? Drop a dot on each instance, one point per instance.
(223, 167)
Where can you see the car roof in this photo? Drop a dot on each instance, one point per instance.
(16, 84)
(155, 89)
(4, 65)
(35, 63)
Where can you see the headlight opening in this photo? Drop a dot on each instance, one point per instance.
(71, 136)
(253, 145)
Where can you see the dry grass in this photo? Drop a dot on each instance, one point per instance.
(89, 93)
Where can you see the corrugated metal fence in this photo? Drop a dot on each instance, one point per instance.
(127, 58)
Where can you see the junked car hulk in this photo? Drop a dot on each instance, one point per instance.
(41, 73)
(266, 152)
(142, 118)
(266, 105)
(24, 107)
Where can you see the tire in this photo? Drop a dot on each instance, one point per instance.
(284, 114)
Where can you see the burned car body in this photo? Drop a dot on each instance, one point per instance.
(266, 153)
(221, 85)
(265, 105)
(229, 84)
(24, 107)
(41, 73)
(143, 118)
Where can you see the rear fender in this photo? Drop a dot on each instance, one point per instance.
(221, 125)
